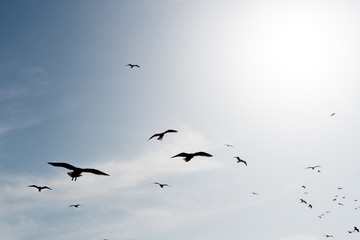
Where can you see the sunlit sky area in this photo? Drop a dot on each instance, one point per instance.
(275, 83)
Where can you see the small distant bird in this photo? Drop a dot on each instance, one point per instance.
(255, 193)
(332, 114)
(306, 192)
(303, 186)
(76, 172)
(356, 229)
(240, 160)
(188, 156)
(328, 235)
(340, 188)
(133, 65)
(161, 135)
(162, 185)
(40, 187)
(310, 206)
(341, 204)
(313, 167)
(75, 205)
(229, 145)
(302, 201)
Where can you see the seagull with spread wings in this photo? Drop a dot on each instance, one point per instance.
(162, 185)
(188, 156)
(313, 168)
(40, 187)
(133, 65)
(161, 135)
(76, 172)
(239, 160)
(75, 205)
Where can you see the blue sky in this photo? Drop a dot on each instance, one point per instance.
(263, 76)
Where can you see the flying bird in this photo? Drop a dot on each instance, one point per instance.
(356, 229)
(240, 160)
(312, 167)
(188, 156)
(328, 235)
(161, 135)
(303, 186)
(40, 187)
(75, 205)
(229, 145)
(303, 201)
(162, 185)
(332, 114)
(310, 206)
(255, 193)
(133, 65)
(76, 172)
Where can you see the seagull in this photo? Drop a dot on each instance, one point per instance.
(303, 201)
(229, 145)
(303, 186)
(328, 235)
(75, 205)
(310, 206)
(332, 114)
(356, 229)
(255, 193)
(40, 187)
(188, 156)
(313, 167)
(133, 65)
(161, 135)
(162, 185)
(76, 172)
(240, 160)
(341, 204)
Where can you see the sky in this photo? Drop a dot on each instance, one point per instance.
(262, 76)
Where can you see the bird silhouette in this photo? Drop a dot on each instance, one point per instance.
(303, 201)
(356, 229)
(161, 135)
(229, 145)
(133, 65)
(40, 187)
(310, 206)
(313, 167)
(328, 235)
(162, 185)
(255, 193)
(240, 160)
(75, 205)
(188, 156)
(76, 172)
(332, 114)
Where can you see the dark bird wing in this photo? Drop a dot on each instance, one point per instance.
(183, 154)
(170, 131)
(34, 186)
(94, 171)
(135, 65)
(203, 154)
(64, 165)
(155, 135)
(46, 187)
